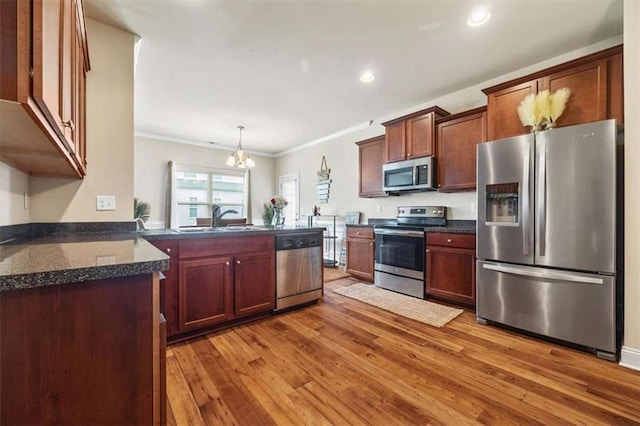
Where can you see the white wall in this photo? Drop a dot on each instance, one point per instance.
(109, 138)
(13, 185)
(631, 344)
(342, 156)
(150, 173)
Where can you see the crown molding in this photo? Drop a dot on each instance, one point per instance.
(219, 147)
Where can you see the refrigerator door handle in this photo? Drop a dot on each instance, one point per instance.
(542, 196)
(544, 274)
(525, 202)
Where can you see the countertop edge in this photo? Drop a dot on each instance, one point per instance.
(80, 275)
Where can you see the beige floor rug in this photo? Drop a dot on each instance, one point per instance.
(332, 274)
(407, 306)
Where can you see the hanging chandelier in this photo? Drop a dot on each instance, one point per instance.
(238, 158)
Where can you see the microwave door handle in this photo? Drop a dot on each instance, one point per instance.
(415, 175)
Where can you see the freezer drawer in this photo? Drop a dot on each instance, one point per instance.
(574, 307)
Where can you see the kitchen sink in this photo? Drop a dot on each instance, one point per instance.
(196, 230)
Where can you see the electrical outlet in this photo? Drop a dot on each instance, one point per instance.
(105, 202)
(379, 208)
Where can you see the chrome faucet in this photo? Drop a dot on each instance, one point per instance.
(216, 215)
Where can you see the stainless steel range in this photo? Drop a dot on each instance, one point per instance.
(400, 249)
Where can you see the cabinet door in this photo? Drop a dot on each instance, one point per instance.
(502, 110)
(395, 138)
(420, 132)
(371, 156)
(204, 292)
(75, 132)
(360, 254)
(588, 85)
(451, 274)
(51, 60)
(457, 140)
(255, 283)
(169, 286)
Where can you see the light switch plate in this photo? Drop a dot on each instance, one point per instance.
(105, 202)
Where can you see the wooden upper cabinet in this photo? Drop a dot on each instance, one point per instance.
(44, 57)
(588, 85)
(395, 135)
(51, 59)
(457, 137)
(502, 110)
(412, 136)
(420, 136)
(371, 158)
(596, 85)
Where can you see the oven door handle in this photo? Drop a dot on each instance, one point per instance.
(417, 234)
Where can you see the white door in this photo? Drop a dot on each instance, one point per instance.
(290, 190)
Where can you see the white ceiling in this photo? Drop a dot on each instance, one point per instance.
(288, 70)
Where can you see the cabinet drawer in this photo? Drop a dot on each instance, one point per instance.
(221, 246)
(452, 240)
(359, 232)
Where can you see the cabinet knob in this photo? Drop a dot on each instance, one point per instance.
(357, 233)
(370, 244)
(238, 262)
(448, 240)
(69, 124)
(427, 250)
(226, 263)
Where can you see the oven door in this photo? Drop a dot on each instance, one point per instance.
(400, 252)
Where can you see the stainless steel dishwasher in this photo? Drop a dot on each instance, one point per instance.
(298, 269)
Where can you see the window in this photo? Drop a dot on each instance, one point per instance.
(193, 209)
(290, 190)
(198, 188)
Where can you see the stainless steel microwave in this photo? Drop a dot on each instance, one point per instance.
(409, 175)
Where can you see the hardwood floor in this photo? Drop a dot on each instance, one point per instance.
(345, 362)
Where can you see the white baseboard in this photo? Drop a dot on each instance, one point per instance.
(630, 358)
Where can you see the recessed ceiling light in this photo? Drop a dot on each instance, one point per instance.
(367, 77)
(478, 17)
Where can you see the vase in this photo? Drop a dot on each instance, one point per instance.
(278, 217)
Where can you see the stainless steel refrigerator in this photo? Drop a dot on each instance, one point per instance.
(546, 234)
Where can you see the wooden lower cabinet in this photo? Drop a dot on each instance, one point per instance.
(451, 267)
(169, 285)
(255, 283)
(82, 354)
(360, 252)
(205, 292)
(218, 281)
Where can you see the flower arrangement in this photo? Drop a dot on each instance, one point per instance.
(540, 111)
(279, 202)
(272, 210)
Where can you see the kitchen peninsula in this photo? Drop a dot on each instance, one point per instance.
(81, 325)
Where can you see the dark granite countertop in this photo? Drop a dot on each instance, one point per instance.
(67, 258)
(171, 234)
(28, 260)
(454, 226)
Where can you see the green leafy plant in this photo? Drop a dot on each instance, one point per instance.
(141, 210)
(267, 213)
